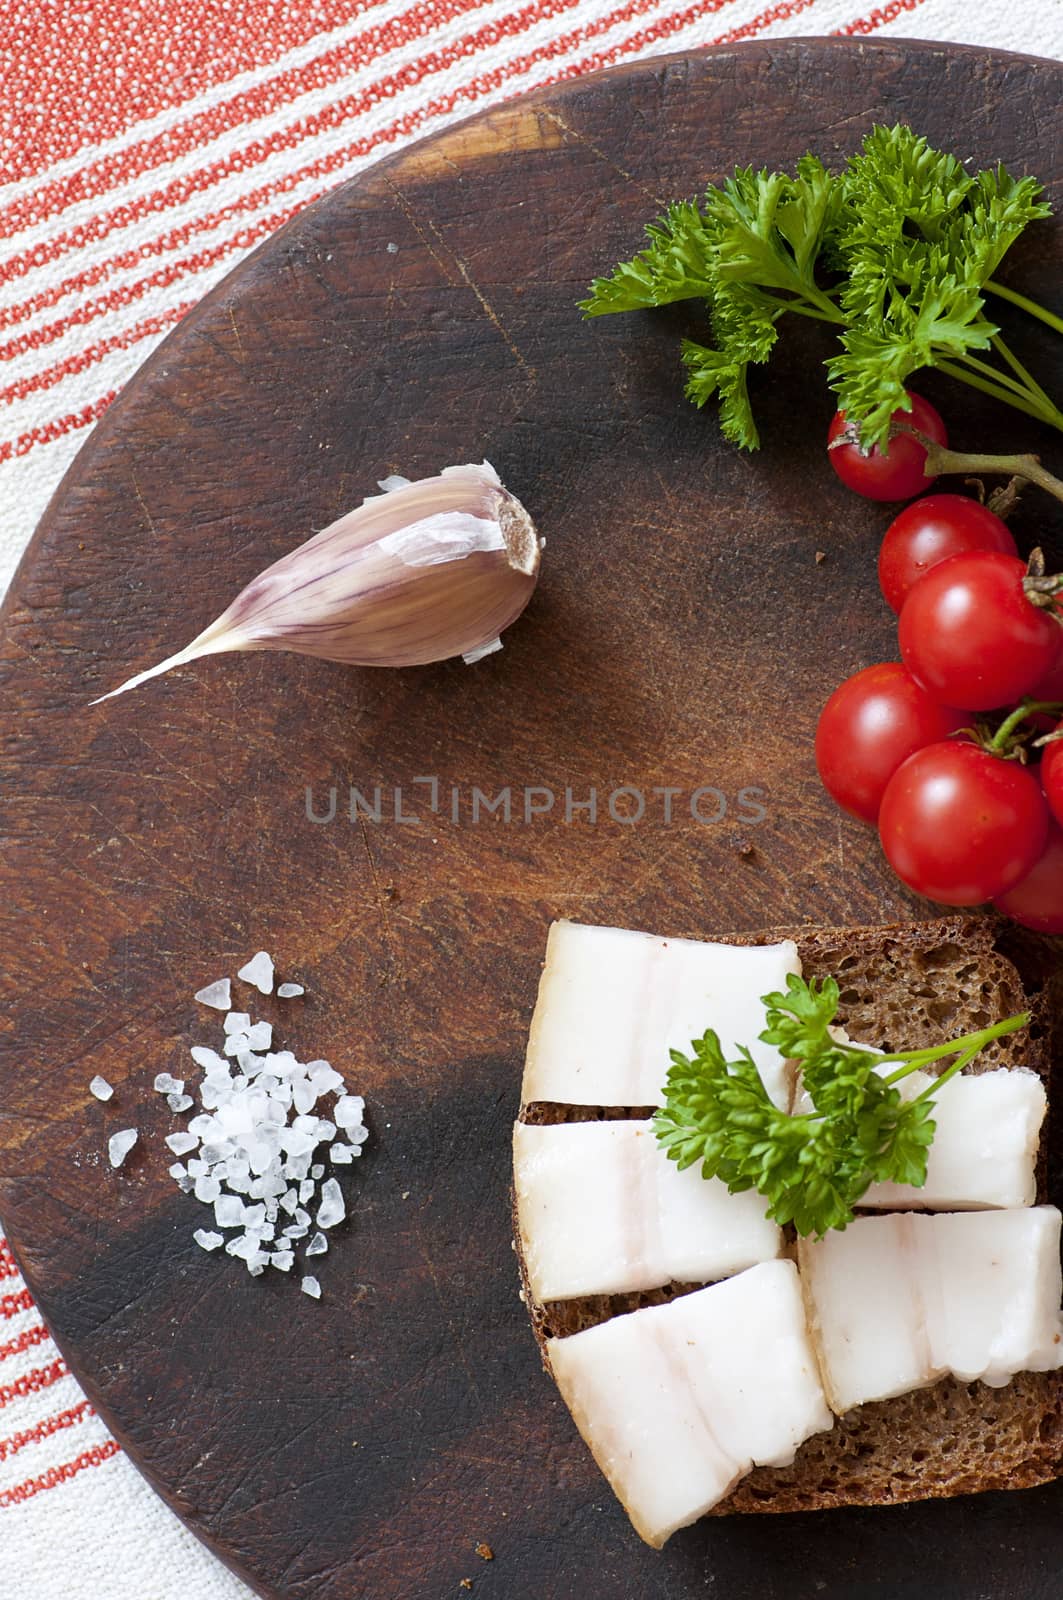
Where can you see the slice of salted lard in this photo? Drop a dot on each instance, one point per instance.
(601, 1210)
(678, 1402)
(984, 1151)
(894, 1303)
(612, 1004)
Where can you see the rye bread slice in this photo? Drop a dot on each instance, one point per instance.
(900, 987)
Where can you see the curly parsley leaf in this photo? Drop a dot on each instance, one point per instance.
(674, 266)
(814, 1167)
(937, 320)
(897, 252)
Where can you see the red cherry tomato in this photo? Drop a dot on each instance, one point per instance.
(1050, 687)
(1052, 776)
(927, 533)
(895, 473)
(1037, 900)
(970, 635)
(960, 825)
(872, 723)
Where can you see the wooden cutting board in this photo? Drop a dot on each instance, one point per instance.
(684, 636)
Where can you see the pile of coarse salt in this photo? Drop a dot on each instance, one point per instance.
(255, 1151)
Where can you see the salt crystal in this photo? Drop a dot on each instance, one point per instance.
(302, 1217)
(181, 1178)
(317, 1246)
(208, 1241)
(288, 991)
(317, 1171)
(324, 1077)
(237, 1022)
(332, 1208)
(341, 1154)
(236, 1043)
(120, 1144)
(100, 1088)
(295, 1232)
(198, 1169)
(304, 1096)
(306, 1190)
(228, 1211)
(311, 1287)
(202, 1127)
(284, 1259)
(348, 1111)
(215, 995)
(260, 1036)
(357, 1136)
(165, 1084)
(208, 1059)
(207, 1189)
(258, 971)
(179, 1102)
(325, 1132)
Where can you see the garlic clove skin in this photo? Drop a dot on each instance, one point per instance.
(423, 572)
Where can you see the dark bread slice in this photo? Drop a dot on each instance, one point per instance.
(901, 986)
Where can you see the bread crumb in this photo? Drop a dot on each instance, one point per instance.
(485, 1552)
(821, 556)
(466, 1583)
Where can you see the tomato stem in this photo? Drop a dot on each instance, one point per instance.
(941, 460)
(1043, 589)
(998, 744)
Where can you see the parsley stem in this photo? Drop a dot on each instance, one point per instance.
(996, 376)
(1020, 371)
(1031, 407)
(805, 308)
(942, 1078)
(1025, 304)
(969, 1045)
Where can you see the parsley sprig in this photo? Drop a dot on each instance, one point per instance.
(811, 1167)
(898, 251)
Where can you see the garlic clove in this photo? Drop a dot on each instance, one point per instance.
(420, 573)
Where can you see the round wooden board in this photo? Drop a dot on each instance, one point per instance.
(684, 636)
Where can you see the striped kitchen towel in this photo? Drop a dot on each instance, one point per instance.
(145, 148)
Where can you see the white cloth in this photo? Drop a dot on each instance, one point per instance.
(132, 181)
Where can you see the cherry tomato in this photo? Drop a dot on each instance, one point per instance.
(970, 635)
(1052, 776)
(928, 532)
(895, 473)
(960, 825)
(872, 723)
(1050, 687)
(1037, 900)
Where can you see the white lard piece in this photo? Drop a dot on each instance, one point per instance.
(601, 1210)
(988, 1127)
(896, 1302)
(984, 1151)
(679, 1402)
(612, 1004)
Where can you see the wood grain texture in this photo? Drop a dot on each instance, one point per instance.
(683, 636)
